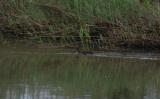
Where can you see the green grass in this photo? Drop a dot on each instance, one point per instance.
(101, 8)
(71, 17)
(85, 9)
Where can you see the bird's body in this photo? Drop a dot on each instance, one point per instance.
(84, 52)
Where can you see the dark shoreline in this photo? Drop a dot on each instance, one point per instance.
(99, 35)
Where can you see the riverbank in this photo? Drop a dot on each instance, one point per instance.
(37, 24)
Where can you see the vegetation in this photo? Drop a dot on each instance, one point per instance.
(102, 24)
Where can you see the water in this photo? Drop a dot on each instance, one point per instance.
(41, 75)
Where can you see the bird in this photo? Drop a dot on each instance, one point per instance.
(84, 52)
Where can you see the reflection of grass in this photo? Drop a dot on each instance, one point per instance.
(79, 75)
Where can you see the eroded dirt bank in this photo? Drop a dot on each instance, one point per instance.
(137, 34)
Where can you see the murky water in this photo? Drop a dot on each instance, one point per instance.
(64, 76)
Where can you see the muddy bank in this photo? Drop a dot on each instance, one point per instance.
(64, 29)
(98, 39)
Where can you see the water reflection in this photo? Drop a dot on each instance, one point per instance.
(151, 93)
(77, 77)
(38, 92)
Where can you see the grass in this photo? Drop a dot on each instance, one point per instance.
(84, 9)
(103, 8)
(71, 18)
(108, 9)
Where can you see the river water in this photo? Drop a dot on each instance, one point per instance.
(41, 75)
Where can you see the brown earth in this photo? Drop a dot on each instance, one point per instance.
(103, 35)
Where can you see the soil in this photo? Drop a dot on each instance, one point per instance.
(103, 35)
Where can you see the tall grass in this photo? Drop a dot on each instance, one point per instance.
(71, 16)
(85, 9)
(101, 8)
